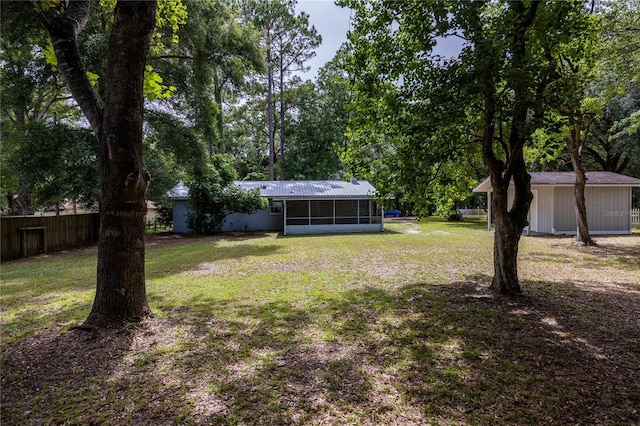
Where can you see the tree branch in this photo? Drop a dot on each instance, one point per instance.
(63, 29)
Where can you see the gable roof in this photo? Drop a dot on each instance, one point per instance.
(296, 189)
(569, 178)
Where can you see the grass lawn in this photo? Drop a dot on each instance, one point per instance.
(396, 328)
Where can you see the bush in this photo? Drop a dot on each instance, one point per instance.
(454, 216)
(213, 196)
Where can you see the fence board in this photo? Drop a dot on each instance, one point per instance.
(635, 217)
(30, 235)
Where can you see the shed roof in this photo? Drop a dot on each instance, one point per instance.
(297, 189)
(569, 178)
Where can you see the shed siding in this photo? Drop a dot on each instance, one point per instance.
(607, 210)
(564, 215)
(236, 222)
(545, 209)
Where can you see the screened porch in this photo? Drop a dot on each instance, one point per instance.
(319, 216)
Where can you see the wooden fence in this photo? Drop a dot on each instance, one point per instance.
(635, 217)
(24, 236)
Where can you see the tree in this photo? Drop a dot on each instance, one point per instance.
(318, 124)
(32, 94)
(613, 150)
(213, 196)
(288, 42)
(56, 163)
(215, 50)
(492, 94)
(576, 62)
(294, 47)
(116, 119)
(35, 97)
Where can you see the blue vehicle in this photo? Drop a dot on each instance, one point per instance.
(393, 213)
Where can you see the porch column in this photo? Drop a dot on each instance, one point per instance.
(284, 224)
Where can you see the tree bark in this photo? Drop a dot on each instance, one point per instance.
(117, 123)
(270, 108)
(121, 293)
(282, 123)
(575, 147)
(217, 88)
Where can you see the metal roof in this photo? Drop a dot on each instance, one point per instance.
(569, 178)
(297, 189)
(179, 192)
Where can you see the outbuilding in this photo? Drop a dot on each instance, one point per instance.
(608, 201)
(298, 207)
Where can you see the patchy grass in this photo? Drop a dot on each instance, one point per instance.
(368, 329)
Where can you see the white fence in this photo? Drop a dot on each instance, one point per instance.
(472, 212)
(635, 217)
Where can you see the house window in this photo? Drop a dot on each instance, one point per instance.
(276, 208)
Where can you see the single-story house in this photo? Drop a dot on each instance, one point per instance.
(552, 211)
(298, 207)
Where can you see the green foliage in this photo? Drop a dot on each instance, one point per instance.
(71, 175)
(215, 52)
(171, 14)
(153, 87)
(213, 196)
(614, 146)
(316, 125)
(545, 153)
(417, 116)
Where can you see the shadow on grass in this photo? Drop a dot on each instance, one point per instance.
(178, 259)
(450, 353)
(49, 378)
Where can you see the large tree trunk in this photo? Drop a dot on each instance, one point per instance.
(120, 291)
(575, 146)
(505, 257)
(121, 294)
(509, 226)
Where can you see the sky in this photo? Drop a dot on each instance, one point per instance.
(332, 22)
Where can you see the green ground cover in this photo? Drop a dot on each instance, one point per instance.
(392, 328)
